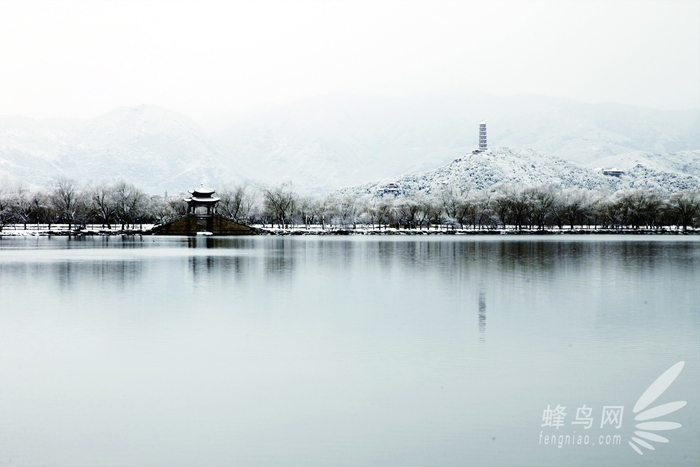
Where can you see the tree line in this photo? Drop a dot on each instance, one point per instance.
(124, 205)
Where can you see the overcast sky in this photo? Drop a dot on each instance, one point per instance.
(67, 59)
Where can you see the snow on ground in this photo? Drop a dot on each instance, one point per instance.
(19, 230)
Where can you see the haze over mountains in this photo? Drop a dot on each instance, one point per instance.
(149, 146)
(329, 142)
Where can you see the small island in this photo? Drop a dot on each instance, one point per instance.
(201, 218)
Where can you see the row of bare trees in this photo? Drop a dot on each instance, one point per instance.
(541, 207)
(118, 204)
(538, 208)
(65, 202)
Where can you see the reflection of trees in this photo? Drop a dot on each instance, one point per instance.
(467, 259)
(75, 275)
(279, 257)
(220, 264)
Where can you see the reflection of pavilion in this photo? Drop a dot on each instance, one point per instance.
(202, 204)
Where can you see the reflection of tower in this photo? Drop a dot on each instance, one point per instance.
(482, 315)
(482, 136)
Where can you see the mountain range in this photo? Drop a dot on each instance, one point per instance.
(328, 142)
(149, 146)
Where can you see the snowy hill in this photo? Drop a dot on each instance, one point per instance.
(332, 141)
(505, 168)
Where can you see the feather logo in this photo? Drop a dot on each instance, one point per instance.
(645, 434)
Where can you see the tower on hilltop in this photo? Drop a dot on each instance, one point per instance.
(482, 136)
(482, 139)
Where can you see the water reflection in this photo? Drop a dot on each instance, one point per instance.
(70, 276)
(202, 267)
(482, 315)
(281, 257)
(320, 351)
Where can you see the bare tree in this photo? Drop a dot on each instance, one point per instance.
(67, 202)
(422, 212)
(235, 203)
(407, 210)
(542, 202)
(385, 212)
(348, 211)
(306, 211)
(6, 215)
(164, 210)
(516, 205)
(21, 206)
(451, 202)
(685, 207)
(40, 208)
(129, 202)
(484, 213)
(573, 207)
(279, 203)
(103, 204)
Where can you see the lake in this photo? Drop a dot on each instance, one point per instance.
(348, 351)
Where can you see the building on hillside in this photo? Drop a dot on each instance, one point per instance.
(390, 189)
(614, 172)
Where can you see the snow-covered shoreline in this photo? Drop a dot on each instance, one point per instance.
(391, 231)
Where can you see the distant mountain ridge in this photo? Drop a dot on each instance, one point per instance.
(325, 143)
(147, 145)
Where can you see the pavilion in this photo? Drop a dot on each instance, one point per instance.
(201, 218)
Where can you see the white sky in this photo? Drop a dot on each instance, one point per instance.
(68, 59)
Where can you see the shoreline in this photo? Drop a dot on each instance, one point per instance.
(317, 231)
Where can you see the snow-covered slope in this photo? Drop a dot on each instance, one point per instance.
(670, 172)
(30, 149)
(161, 148)
(150, 146)
(687, 162)
(506, 168)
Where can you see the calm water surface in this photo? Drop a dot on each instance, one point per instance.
(352, 351)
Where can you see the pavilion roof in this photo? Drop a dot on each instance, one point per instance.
(197, 199)
(202, 190)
